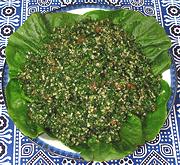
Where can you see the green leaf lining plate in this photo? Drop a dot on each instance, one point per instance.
(147, 33)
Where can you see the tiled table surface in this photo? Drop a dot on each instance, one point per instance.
(16, 149)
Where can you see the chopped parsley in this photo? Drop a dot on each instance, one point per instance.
(86, 80)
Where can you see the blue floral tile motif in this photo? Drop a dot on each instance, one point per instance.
(173, 10)
(8, 11)
(7, 30)
(2, 149)
(16, 149)
(3, 122)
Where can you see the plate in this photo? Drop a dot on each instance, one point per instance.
(55, 146)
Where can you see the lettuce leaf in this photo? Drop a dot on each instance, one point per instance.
(17, 109)
(54, 20)
(28, 37)
(154, 120)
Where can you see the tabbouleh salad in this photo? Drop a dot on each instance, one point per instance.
(86, 80)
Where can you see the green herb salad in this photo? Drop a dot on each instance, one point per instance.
(92, 81)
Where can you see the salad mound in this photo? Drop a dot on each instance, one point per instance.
(92, 81)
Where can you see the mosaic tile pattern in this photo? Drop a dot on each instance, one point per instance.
(17, 149)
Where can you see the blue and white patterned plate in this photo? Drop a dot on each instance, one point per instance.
(164, 149)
